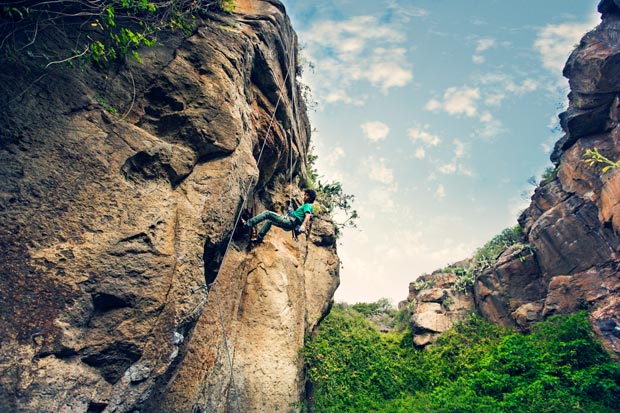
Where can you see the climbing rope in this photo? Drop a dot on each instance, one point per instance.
(290, 62)
(232, 376)
(247, 193)
(211, 286)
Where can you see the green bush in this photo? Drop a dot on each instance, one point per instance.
(101, 31)
(331, 198)
(475, 367)
(487, 255)
(353, 368)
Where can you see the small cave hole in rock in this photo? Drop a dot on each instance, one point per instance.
(95, 407)
(103, 302)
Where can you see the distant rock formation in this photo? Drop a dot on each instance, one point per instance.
(573, 222)
(436, 303)
(119, 191)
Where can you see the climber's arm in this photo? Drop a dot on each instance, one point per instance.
(305, 223)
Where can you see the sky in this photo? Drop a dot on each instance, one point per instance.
(435, 114)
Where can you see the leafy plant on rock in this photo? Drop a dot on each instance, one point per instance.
(487, 255)
(100, 30)
(332, 197)
(594, 157)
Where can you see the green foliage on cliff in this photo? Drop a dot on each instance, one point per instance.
(100, 31)
(594, 157)
(487, 255)
(353, 368)
(475, 367)
(331, 197)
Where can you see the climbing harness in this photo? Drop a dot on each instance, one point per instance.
(296, 231)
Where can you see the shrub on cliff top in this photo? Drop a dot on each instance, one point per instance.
(486, 256)
(331, 198)
(102, 30)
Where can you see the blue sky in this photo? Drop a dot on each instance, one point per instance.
(434, 114)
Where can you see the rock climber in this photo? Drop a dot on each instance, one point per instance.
(298, 217)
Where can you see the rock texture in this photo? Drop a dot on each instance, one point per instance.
(572, 225)
(119, 191)
(436, 303)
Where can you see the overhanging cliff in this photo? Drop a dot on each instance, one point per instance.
(119, 191)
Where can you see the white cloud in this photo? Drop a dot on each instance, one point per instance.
(528, 85)
(377, 171)
(490, 128)
(481, 46)
(555, 42)
(457, 101)
(454, 166)
(502, 82)
(375, 131)
(494, 99)
(486, 117)
(448, 168)
(440, 192)
(433, 105)
(459, 149)
(461, 101)
(388, 68)
(334, 156)
(420, 153)
(465, 171)
(335, 34)
(418, 134)
(553, 121)
(406, 12)
(335, 95)
(360, 49)
(484, 44)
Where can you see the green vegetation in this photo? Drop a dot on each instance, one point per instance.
(475, 367)
(382, 314)
(594, 157)
(100, 31)
(353, 368)
(550, 174)
(332, 198)
(487, 255)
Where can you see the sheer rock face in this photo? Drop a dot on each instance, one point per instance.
(573, 221)
(119, 192)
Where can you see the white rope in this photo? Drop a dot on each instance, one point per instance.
(212, 285)
(232, 376)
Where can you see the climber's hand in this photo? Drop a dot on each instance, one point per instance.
(302, 228)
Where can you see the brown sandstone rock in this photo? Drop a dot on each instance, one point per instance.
(574, 220)
(110, 220)
(512, 282)
(436, 305)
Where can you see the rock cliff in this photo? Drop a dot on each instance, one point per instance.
(119, 192)
(571, 228)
